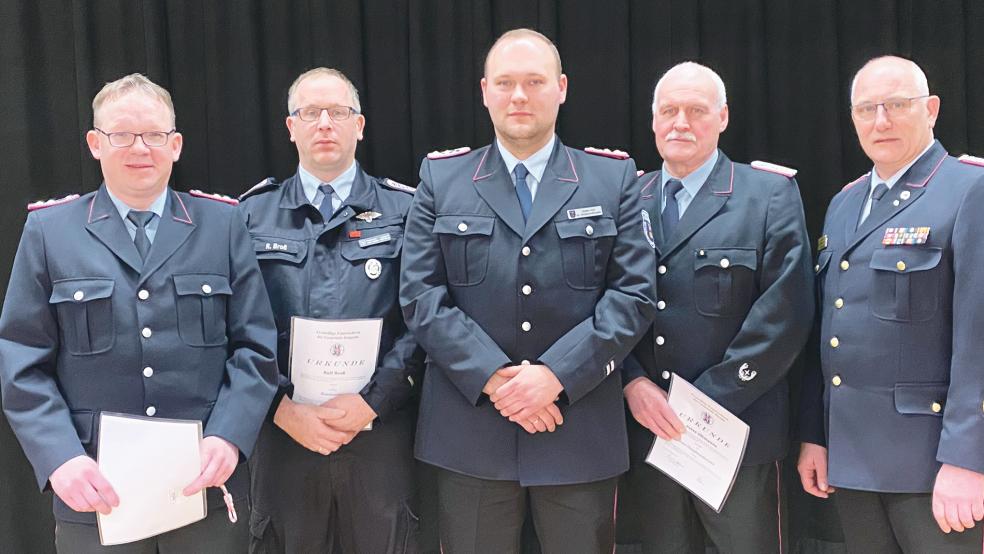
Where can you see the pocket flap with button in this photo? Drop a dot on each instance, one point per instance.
(81, 290)
(279, 248)
(201, 284)
(726, 257)
(588, 228)
(905, 259)
(464, 225)
(921, 398)
(84, 421)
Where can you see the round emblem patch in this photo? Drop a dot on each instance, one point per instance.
(373, 268)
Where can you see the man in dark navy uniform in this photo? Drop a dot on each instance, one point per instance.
(895, 420)
(527, 277)
(328, 241)
(735, 307)
(142, 300)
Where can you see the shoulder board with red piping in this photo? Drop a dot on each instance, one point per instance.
(262, 186)
(453, 153)
(972, 160)
(774, 168)
(217, 197)
(854, 182)
(41, 204)
(390, 183)
(608, 153)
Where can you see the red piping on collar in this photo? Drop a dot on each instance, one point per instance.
(931, 173)
(187, 215)
(642, 191)
(92, 205)
(573, 170)
(481, 163)
(731, 184)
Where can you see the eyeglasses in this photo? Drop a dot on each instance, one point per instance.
(154, 139)
(313, 113)
(893, 106)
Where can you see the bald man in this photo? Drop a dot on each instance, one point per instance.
(895, 423)
(735, 307)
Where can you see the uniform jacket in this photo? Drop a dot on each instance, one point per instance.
(319, 271)
(482, 290)
(901, 326)
(87, 327)
(735, 299)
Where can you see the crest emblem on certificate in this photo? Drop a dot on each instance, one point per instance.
(373, 268)
(336, 350)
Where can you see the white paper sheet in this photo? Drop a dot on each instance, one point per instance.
(332, 357)
(148, 461)
(705, 460)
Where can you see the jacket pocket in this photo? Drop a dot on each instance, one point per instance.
(201, 301)
(585, 244)
(724, 280)
(921, 398)
(84, 423)
(465, 242)
(906, 283)
(85, 314)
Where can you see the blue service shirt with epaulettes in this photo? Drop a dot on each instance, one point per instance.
(902, 316)
(571, 288)
(345, 268)
(735, 303)
(87, 327)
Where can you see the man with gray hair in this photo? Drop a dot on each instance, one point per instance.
(734, 309)
(136, 299)
(893, 419)
(328, 241)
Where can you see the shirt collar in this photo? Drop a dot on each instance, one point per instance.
(890, 182)
(342, 185)
(157, 206)
(535, 164)
(693, 182)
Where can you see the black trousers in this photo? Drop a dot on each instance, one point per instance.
(883, 523)
(215, 534)
(479, 516)
(360, 499)
(672, 520)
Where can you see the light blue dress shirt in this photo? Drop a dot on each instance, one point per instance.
(342, 185)
(535, 164)
(691, 183)
(890, 182)
(151, 228)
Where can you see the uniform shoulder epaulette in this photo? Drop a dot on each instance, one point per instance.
(212, 196)
(41, 204)
(390, 183)
(608, 153)
(263, 186)
(774, 168)
(972, 160)
(854, 182)
(453, 153)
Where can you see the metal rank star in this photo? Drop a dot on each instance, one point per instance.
(368, 216)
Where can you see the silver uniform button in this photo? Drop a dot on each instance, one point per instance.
(526, 325)
(150, 411)
(665, 375)
(660, 340)
(527, 290)
(78, 296)
(661, 270)
(526, 250)
(589, 230)
(462, 226)
(725, 262)
(148, 371)
(143, 294)
(206, 288)
(524, 362)
(146, 332)
(661, 305)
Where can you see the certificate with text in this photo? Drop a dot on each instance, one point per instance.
(332, 357)
(149, 461)
(706, 458)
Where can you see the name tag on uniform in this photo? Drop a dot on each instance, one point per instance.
(277, 247)
(578, 213)
(905, 235)
(378, 239)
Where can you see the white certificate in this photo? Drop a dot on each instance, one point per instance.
(148, 461)
(332, 357)
(706, 458)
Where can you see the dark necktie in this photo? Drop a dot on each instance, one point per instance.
(671, 213)
(876, 195)
(141, 219)
(327, 207)
(523, 190)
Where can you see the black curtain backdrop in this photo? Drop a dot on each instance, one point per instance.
(787, 65)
